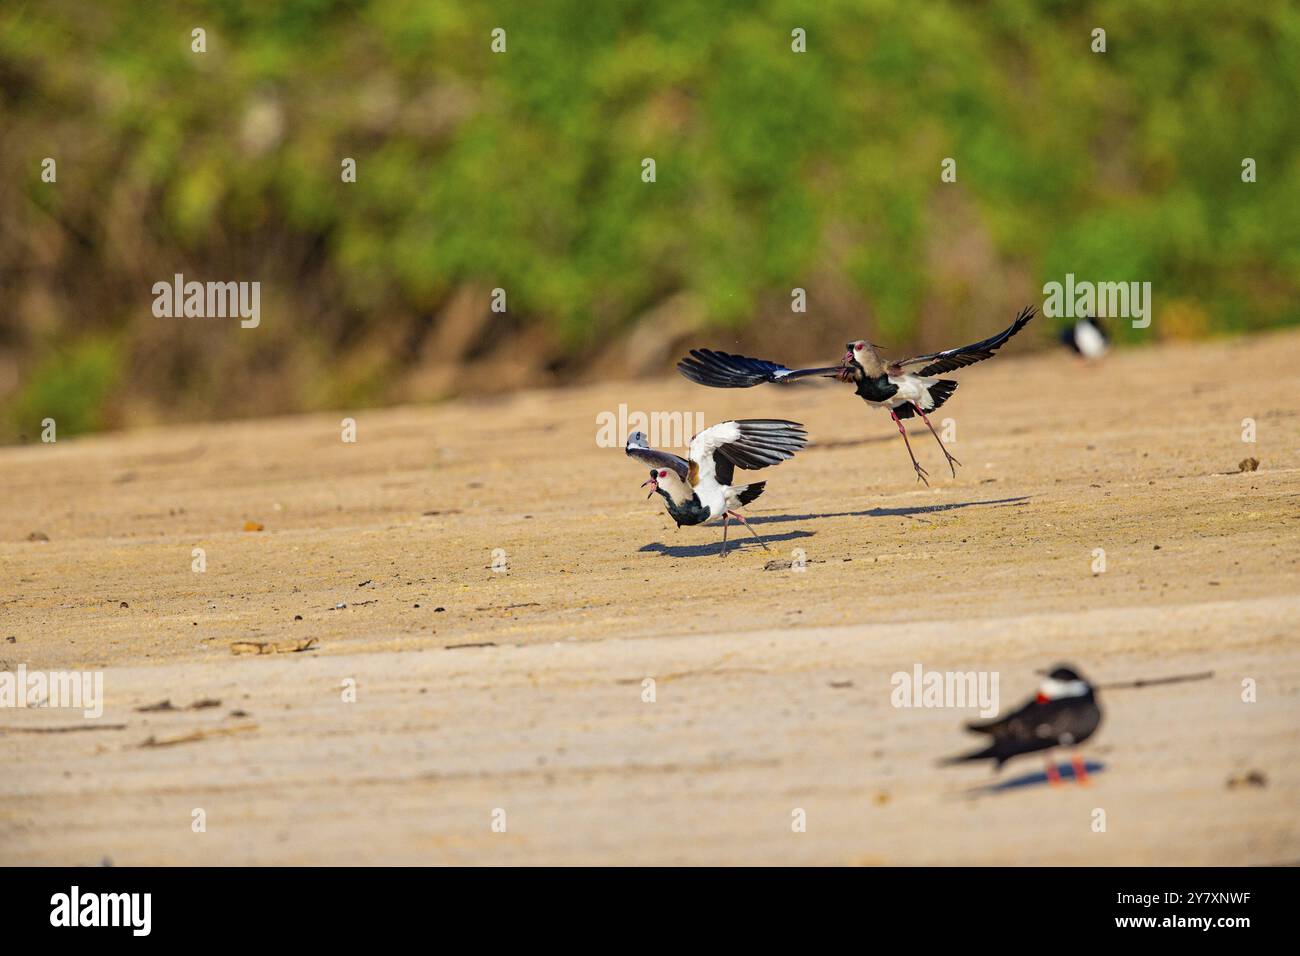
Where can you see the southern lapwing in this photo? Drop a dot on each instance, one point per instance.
(1064, 713)
(888, 385)
(699, 487)
(1087, 338)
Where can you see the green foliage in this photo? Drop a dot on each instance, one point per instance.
(522, 169)
(68, 386)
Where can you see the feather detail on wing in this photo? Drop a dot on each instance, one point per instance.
(638, 448)
(724, 370)
(938, 362)
(748, 443)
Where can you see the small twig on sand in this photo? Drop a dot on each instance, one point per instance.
(198, 735)
(1149, 681)
(60, 730)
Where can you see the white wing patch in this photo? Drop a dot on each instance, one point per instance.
(706, 443)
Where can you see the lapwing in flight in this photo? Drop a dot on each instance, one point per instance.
(903, 388)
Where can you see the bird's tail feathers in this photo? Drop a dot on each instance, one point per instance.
(747, 493)
(985, 754)
(939, 393)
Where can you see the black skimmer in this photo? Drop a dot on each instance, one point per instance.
(1086, 338)
(1064, 713)
(889, 385)
(699, 487)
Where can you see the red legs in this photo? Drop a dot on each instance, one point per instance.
(739, 517)
(920, 472)
(951, 460)
(1077, 765)
(1080, 770)
(1053, 775)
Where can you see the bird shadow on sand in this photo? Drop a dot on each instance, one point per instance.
(715, 547)
(1036, 779)
(889, 512)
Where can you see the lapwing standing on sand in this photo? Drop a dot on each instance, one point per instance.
(889, 385)
(1064, 713)
(1087, 338)
(699, 487)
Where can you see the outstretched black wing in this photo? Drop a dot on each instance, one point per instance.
(724, 370)
(938, 362)
(638, 448)
(748, 443)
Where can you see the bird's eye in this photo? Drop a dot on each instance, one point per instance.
(663, 474)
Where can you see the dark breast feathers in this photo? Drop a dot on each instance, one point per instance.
(688, 512)
(879, 389)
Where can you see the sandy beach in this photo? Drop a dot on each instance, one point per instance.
(435, 649)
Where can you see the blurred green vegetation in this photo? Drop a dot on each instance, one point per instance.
(70, 387)
(522, 170)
